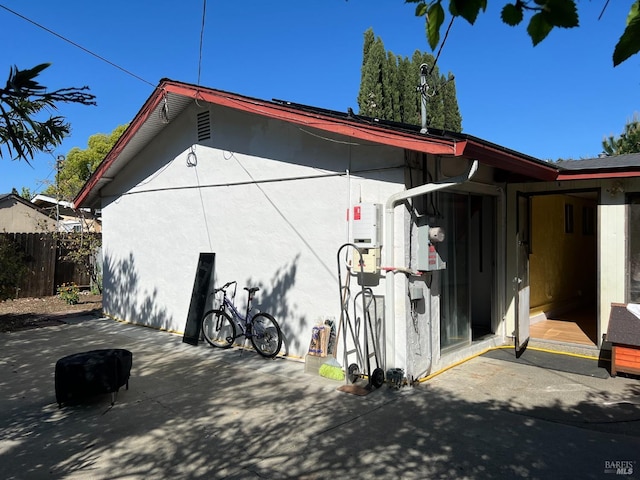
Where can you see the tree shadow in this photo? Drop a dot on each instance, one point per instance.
(200, 412)
(122, 299)
(273, 299)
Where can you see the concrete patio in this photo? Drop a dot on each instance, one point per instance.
(201, 413)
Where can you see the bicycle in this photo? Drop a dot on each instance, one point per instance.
(219, 326)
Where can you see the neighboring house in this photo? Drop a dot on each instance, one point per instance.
(68, 218)
(18, 215)
(266, 186)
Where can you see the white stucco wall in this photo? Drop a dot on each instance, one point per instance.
(270, 199)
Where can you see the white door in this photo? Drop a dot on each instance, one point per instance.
(522, 279)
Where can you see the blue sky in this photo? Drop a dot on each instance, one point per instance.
(557, 100)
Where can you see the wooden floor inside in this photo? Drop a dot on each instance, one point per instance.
(578, 326)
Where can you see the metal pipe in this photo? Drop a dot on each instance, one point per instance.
(423, 96)
(390, 350)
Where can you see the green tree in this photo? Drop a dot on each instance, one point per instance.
(82, 249)
(12, 268)
(545, 15)
(26, 193)
(389, 88)
(79, 164)
(370, 96)
(22, 100)
(452, 117)
(627, 142)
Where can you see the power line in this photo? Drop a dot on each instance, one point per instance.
(77, 46)
(204, 12)
(444, 40)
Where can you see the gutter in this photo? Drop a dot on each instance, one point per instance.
(392, 202)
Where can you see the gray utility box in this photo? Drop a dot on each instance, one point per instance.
(429, 239)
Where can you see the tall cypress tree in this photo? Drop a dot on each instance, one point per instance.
(452, 119)
(389, 88)
(370, 97)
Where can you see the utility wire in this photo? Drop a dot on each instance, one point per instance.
(603, 9)
(444, 40)
(77, 46)
(204, 13)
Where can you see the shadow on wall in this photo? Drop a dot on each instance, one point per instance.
(272, 299)
(125, 299)
(187, 425)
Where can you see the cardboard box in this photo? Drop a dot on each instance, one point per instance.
(319, 340)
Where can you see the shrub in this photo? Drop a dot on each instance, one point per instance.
(12, 268)
(69, 292)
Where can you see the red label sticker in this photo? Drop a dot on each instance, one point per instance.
(357, 214)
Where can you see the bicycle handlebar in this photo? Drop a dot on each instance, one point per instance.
(224, 287)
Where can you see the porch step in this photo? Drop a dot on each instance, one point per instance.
(572, 348)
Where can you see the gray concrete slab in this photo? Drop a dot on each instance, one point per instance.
(200, 413)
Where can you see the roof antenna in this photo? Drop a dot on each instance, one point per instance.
(423, 89)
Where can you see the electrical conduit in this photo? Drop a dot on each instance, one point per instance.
(392, 202)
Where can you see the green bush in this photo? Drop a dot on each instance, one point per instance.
(69, 292)
(12, 268)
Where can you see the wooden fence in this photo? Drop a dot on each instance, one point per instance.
(42, 255)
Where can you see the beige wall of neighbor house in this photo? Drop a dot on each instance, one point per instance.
(18, 216)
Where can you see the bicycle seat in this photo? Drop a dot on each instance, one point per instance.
(251, 290)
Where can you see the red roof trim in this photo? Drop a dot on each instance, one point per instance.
(601, 175)
(144, 113)
(357, 130)
(506, 160)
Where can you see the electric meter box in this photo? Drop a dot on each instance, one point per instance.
(429, 236)
(366, 225)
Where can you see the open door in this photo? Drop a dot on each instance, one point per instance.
(522, 280)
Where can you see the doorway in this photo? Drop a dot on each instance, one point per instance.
(563, 267)
(467, 294)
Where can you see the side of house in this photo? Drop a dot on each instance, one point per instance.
(472, 245)
(17, 215)
(269, 199)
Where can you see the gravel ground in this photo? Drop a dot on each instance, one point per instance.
(25, 313)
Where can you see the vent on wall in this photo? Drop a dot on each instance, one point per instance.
(204, 126)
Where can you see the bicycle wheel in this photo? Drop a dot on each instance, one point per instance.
(218, 329)
(266, 335)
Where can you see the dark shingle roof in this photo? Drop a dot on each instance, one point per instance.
(606, 162)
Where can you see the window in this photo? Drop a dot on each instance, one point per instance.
(568, 218)
(588, 221)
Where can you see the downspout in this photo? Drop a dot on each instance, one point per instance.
(390, 334)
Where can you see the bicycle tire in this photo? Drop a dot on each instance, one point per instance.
(218, 329)
(266, 336)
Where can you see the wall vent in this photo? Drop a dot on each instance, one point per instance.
(204, 126)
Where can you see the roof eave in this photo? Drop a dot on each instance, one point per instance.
(505, 159)
(350, 128)
(598, 174)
